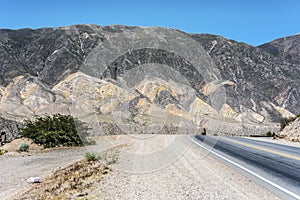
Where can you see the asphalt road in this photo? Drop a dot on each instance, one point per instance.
(274, 166)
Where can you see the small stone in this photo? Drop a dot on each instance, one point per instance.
(34, 180)
(82, 194)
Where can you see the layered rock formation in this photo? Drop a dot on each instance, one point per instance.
(144, 80)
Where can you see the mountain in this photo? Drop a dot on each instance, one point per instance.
(124, 79)
(263, 81)
(286, 48)
(49, 54)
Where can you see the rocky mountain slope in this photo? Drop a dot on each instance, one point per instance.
(292, 131)
(144, 80)
(262, 82)
(287, 48)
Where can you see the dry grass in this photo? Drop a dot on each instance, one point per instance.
(67, 182)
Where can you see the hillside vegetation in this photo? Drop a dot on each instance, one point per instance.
(56, 130)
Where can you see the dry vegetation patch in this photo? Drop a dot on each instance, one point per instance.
(69, 182)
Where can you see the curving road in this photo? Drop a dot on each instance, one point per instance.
(274, 166)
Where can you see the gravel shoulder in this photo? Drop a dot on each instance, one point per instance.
(171, 167)
(145, 167)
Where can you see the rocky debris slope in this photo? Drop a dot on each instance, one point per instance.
(137, 77)
(292, 131)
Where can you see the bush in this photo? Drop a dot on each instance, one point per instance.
(23, 147)
(2, 152)
(56, 130)
(91, 156)
(268, 134)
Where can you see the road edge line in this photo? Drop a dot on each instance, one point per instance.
(247, 170)
(262, 148)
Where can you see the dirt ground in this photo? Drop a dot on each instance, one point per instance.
(141, 167)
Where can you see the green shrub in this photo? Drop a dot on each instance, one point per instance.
(23, 147)
(2, 152)
(56, 130)
(91, 156)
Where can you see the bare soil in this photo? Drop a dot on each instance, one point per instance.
(140, 167)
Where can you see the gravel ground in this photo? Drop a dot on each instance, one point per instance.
(181, 171)
(16, 168)
(147, 167)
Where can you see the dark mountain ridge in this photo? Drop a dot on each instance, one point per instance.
(259, 74)
(261, 83)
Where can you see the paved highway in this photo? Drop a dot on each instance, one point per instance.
(274, 166)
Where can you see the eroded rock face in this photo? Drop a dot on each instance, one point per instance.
(143, 77)
(257, 76)
(292, 131)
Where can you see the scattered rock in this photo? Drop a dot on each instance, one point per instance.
(82, 194)
(291, 132)
(34, 180)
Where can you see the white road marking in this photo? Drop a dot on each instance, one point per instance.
(247, 170)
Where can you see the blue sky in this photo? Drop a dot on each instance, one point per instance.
(254, 21)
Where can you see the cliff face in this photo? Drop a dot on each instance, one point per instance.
(144, 79)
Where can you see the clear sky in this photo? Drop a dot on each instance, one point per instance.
(253, 21)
